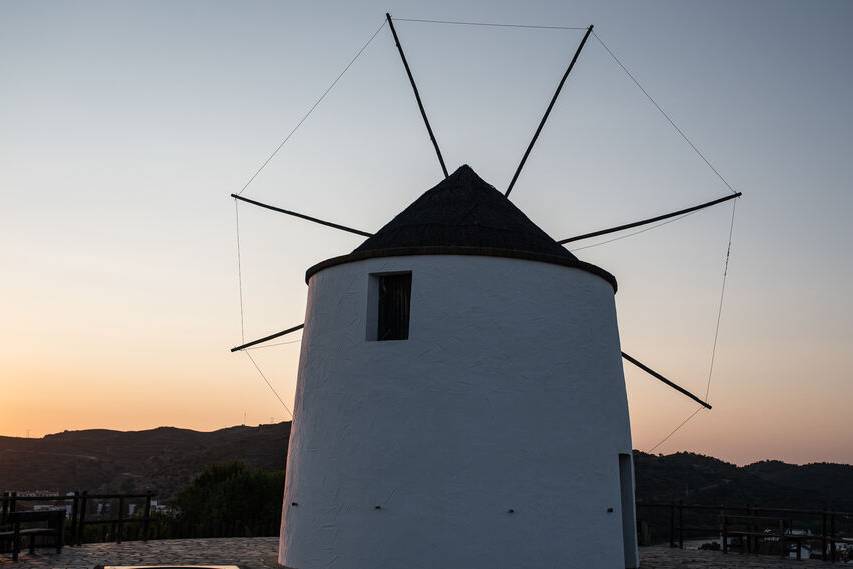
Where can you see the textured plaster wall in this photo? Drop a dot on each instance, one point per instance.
(508, 395)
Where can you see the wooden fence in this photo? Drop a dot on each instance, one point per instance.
(79, 517)
(752, 528)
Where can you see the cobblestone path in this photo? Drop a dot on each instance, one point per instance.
(666, 558)
(248, 553)
(260, 553)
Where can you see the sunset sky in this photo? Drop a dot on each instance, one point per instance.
(124, 127)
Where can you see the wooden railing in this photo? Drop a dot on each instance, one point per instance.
(80, 517)
(750, 526)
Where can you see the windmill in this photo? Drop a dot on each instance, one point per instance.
(460, 395)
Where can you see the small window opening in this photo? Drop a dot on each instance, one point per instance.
(395, 292)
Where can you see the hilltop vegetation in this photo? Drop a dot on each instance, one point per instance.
(229, 499)
(164, 460)
(700, 479)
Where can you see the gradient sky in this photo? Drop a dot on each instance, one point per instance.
(125, 126)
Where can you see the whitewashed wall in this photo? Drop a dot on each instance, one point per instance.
(508, 395)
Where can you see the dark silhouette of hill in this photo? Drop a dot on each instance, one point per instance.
(700, 479)
(163, 459)
(166, 459)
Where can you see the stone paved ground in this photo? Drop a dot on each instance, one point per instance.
(666, 558)
(260, 553)
(248, 553)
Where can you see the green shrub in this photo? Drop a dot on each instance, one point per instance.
(234, 498)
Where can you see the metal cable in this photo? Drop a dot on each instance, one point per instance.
(675, 430)
(634, 233)
(314, 106)
(489, 24)
(722, 296)
(276, 344)
(672, 122)
(268, 383)
(716, 334)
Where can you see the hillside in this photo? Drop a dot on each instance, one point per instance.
(166, 458)
(162, 459)
(705, 480)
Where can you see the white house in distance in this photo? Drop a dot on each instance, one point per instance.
(460, 401)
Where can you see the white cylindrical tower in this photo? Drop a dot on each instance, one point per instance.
(460, 400)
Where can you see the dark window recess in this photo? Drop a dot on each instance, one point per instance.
(395, 292)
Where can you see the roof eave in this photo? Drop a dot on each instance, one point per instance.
(472, 251)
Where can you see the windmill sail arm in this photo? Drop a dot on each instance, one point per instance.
(661, 378)
(651, 219)
(303, 216)
(417, 93)
(267, 338)
(548, 111)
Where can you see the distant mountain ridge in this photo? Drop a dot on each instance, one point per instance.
(700, 479)
(162, 459)
(167, 458)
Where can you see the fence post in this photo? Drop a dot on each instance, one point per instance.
(120, 519)
(681, 524)
(75, 509)
(4, 510)
(672, 524)
(751, 527)
(81, 519)
(13, 502)
(832, 536)
(725, 530)
(823, 535)
(783, 550)
(146, 519)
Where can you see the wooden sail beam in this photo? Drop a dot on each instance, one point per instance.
(658, 376)
(303, 216)
(267, 338)
(650, 220)
(417, 94)
(548, 111)
(634, 361)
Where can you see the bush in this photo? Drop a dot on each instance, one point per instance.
(232, 499)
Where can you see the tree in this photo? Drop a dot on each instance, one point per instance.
(233, 499)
